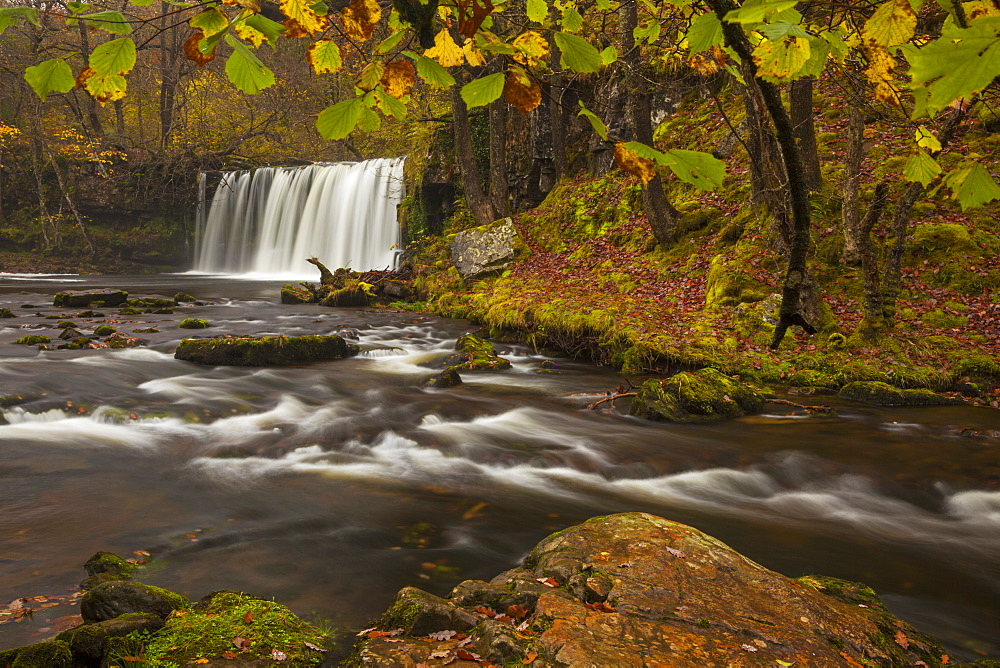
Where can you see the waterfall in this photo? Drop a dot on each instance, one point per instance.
(269, 220)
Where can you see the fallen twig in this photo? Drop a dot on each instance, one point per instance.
(807, 409)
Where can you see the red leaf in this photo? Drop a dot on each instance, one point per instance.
(517, 611)
(489, 612)
(466, 655)
(548, 582)
(247, 618)
(902, 640)
(225, 655)
(241, 643)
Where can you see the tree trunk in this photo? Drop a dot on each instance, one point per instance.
(661, 214)
(768, 182)
(850, 214)
(796, 276)
(72, 206)
(89, 104)
(168, 74)
(499, 185)
(472, 185)
(556, 115)
(801, 108)
(873, 324)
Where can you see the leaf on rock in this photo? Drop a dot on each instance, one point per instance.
(518, 611)
(442, 635)
(548, 582)
(901, 639)
(529, 657)
(675, 552)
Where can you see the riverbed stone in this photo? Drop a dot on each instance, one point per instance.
(487, 249)
(6, 313)
(90, 297)
(264, 350)
(447, 378)
(50, 654)
(875, 393)
(111, 599)
(697, 396)
(88, 643)
(667, 595)
(476, 355)
(110, 563)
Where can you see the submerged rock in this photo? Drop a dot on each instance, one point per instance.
(638, 590)
(447, 378)
(874, 393)
(264, 350)
(697, 396)
(90, 298)
(183, 297)
(486, 249)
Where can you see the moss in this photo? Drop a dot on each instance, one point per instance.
(65, 324)
(151, 302)
(129, 311)
(699, 396)
(6, 313)
(48, 654)
(264, 350)
(194, 323)
(882, 394)
(941, 319)
(109, 562)
(104, 330)
(184, 297)
(727, 286)
(147, 330)
(33, 339)
(476, 354)
(207, 629)
(92, 298)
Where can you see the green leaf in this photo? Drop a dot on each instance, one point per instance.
(609, 55)
(819, 51)
(371, 75)
(77, 7)
(782, 59)
(339, 120)
(210, 22)
(481, 92)
(599, 127)
(649, 31)
(389, 105)
(926, 139)
(971, 185)
(538, 11)
(432, 72)
(147, 3)
(114, 57)
(755, 11)
(113, 22)
(270, 29)
(578, 54)
(390, 42)
(958, 64)
(921, 168)
(604, 5)
(704, 33)
(368, 121)
(777, 29)
(245, 70)
(10, 15)
(893, 23)
(702, 170)
(50, 76)
(571, 20)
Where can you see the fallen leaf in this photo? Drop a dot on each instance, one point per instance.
(466, 655)
(748, 648)
(677, 553)
(529, 657)
(442, 635)
(517, 611)
(489, 612)
(438, 654)
(465, 641)
(315, 648)
(201, 661)
(225, 655)
(365, 632)
(241, 643)
(247, 618)
(626, 564)
(600, 607)
(548, 582)
(278, 655)
(902, 640)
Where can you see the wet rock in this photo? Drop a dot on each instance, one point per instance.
(104, 330)
(294, 294)
(111, 599)
(90, 298)
(33, 339)
(486, 249)
(89, 314)
(183, 297)
(88, 643)
(349, 333)
(120, 340)
(70, 333)
(151, 302)
(129, 311)
(476, 354)
(699, 396)
(638, 590)
(447, 378)
(6, 313)
(880, 394)
(160, 311)
(50, 654)
(353, 294)
(395, 290)
(264, 350)
(108, 562)
(194, 323)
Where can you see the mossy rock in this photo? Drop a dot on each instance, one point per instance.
(295, 294)
(447, 378)
(48, 654)
(264, 350)
(875, 393)
(70, 333)
(194, 323)
(109, 562)
(164, 310)
(147, 330)
(729, 286)
(90, 298)
(33, 339)
(151, 302)
(89, 314)
(208, 628)
(104, 330)
(65, 324)
(111, 599)
(354, 293)
(89, 643)
(476, 354)
(183, 297)
(6, 313)
(699, 396)
(129, 311)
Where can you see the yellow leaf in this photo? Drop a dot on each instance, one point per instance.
(521, 91)
(370, 76)
(703, 64)
(250, 34)
(109, 87)
(632, 163)
(879, 74)
(324, 56)
(360, 19)
(399, 75)
(473, 56)
(926, 139)
(892, 24)
(979, 9)
(302, 13)
(531, 48)
(445, 51)
(783, 58)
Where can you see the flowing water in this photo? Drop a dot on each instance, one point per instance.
(330, 486)
(266, 221)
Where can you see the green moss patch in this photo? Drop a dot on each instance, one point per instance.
(264, 350)
(881, 394)
(699, 396)
(33, 339)
(194, 323)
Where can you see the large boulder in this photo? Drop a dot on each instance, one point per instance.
(111, 599)
(264, 350)
(698, 396)
(874, 393)
(638, 590)
(90, 298)
(486, 249)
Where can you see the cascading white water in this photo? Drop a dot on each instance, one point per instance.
(269, 220)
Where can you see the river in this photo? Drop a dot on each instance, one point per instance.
(330, 486)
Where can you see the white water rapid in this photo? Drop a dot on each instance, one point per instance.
(267, 221)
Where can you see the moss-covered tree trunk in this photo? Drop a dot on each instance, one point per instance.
(472, 184)
(850, 215)
(801, 108)
(557, 119)
(873, 323)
